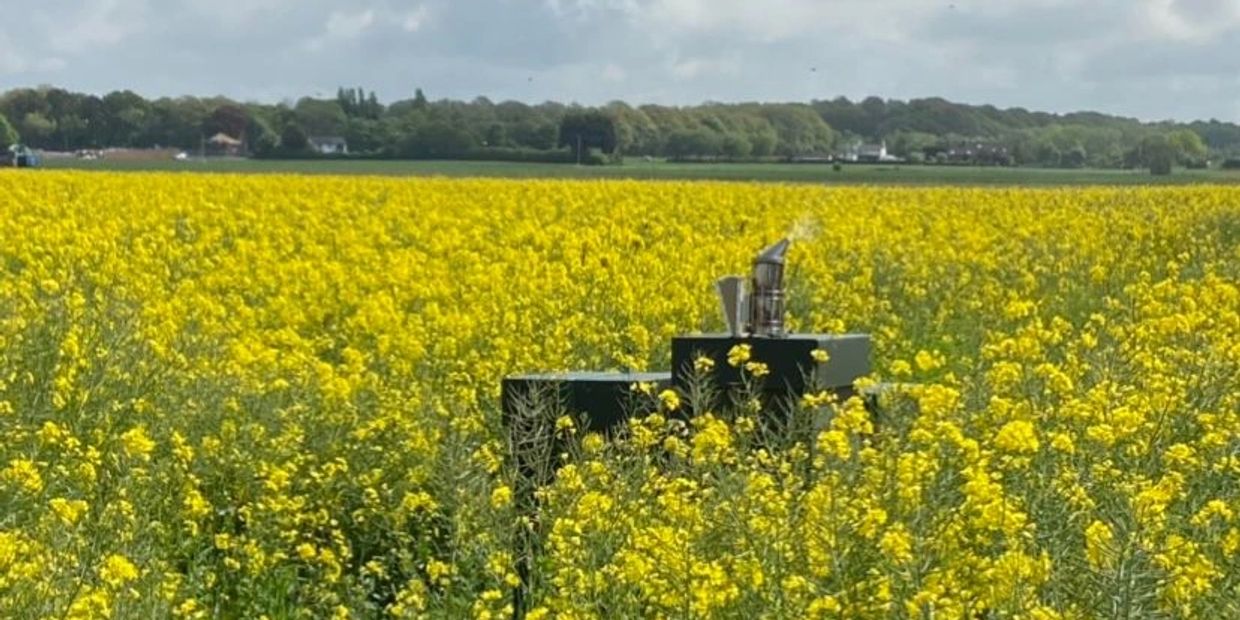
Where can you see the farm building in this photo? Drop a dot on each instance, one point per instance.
(873, 152)
(224, 144)
(869, 152)
(329, 145)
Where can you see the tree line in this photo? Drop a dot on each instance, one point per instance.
(935, 128)
(930, 130)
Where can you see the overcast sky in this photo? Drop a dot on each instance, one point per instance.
(1152, 59)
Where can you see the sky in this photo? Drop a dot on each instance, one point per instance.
(1152, 59)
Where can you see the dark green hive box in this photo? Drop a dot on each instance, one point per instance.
(789, 360)
(599, 400)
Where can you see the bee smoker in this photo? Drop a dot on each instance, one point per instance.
(758, 313)
(766, 306)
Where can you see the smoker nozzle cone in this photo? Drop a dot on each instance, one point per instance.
(768, 267)
(775, 253)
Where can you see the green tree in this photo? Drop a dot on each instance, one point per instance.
(8, 135)
(635, 132)
(1045, 152)
(259, 136)
(439, 139)
(264, 144)
(419, 100)
(51, 117)
(1158, 153)
(229, 119)
(535, 134)
(365, 135)
(124, 118)
(293, 139)
(320, 117)
(800, 130)
(356, 103)
(1074, 157)
(496, 135)
(762, 141)
(37, 130)
(691, 143)
(588, 129)
(1188, 146)
(736, 146)
(911, 144)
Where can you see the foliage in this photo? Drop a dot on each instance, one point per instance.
(8, 135)
(438, 139)
(1188, 146)
(230, 120)
(690, 143)
(585, 130)
(1030, 138)
(932, 130)
(293, 139)
(260, 137)
(320, 117)
(356, 103)
(36, 127)
(1158, 152)
(236, 396)
(798, 129)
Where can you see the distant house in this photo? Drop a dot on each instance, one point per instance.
(872, 152)
(869, 152)
(224, 144)
(970, 153)
(329, 145)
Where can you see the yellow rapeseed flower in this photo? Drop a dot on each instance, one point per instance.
(738, 354)
(137, 443)
(1018, 437)
(117, 570)
(669, 400)
(68, 510)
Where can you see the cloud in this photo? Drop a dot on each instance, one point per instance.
(234, 16)
(348, 25)
(96, 25)
(413, 21)
(769, 20)
(700, 67)
(1148, 58)
(11, 59)
(614, 73)
(342, 26)
(1189, 20)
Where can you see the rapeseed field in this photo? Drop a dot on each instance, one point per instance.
(277, 396)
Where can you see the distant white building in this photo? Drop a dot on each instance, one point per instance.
(224, 144)
(869, 152)
(329, 145)
(872, 152)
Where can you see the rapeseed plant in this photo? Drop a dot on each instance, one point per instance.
(235, 396)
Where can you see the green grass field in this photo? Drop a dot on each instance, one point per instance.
(640, 169)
